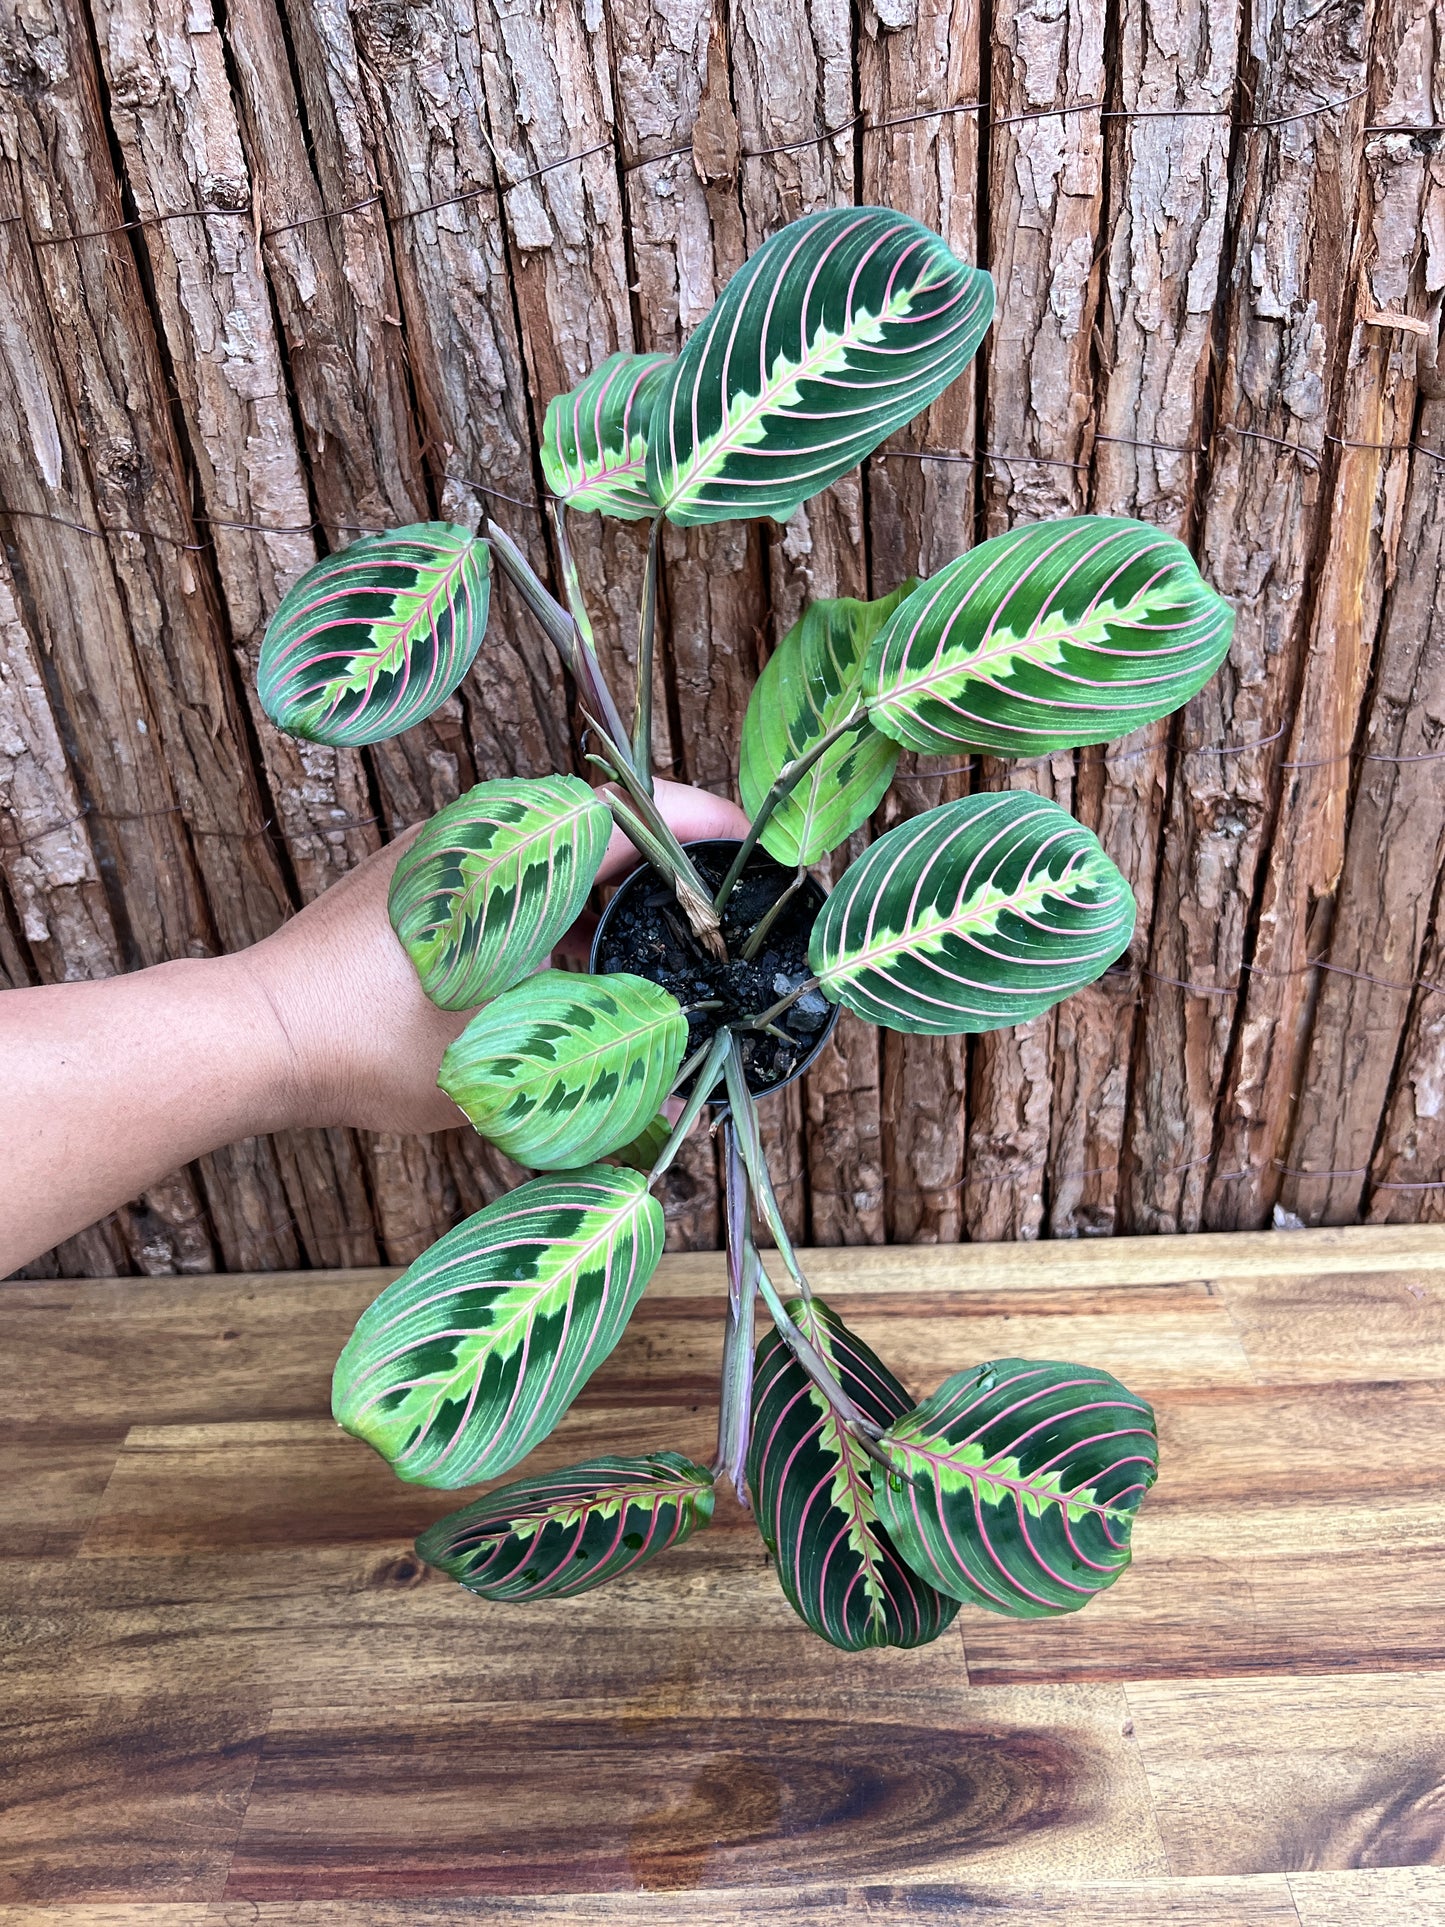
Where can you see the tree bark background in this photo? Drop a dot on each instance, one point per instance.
(280, 272)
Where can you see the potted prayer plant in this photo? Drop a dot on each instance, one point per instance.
(717, 969)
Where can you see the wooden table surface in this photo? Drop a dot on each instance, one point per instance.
(231, 1695)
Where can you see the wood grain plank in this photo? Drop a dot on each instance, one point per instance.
(1266, 1775)
(50, 1491)
(112, 1800)
(1373, 1897)
(1243, 1902)
(619, 1797)
(1370, 1326)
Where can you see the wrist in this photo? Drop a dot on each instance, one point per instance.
(277, 1080)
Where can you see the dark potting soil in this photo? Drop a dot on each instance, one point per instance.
(648, 934)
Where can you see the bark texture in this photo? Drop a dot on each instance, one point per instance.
(277, 274)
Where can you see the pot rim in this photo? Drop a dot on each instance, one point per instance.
(731, 844)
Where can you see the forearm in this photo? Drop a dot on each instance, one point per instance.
(109, 1086)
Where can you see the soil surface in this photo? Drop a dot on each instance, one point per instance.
(646, 932)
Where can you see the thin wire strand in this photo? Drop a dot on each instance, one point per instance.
(859, 120)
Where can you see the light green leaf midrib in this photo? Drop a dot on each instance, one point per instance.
(609, 1506)
(974, 923)
(851, 1489)
(479, 867)
(385, 655)
(1039, 1495)
(832, 352)
(504, 1337)
(538, 1072)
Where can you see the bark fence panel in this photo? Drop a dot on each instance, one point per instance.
(277, 273)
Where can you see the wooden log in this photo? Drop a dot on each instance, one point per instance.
(427, 126)
(1165, 192)
(122, 619)
(180, 146)
(1292, 219)
(678, 143)
(1378, 940)
(339, 308)
(63, 932)
(1045, 205)
(1303, 1028)
(549, 96)
(1407, 1172)
(921, 514)
(794, 83)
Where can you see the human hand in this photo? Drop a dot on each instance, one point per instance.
(360, 1043)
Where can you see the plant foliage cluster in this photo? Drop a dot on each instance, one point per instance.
(1014, 1486)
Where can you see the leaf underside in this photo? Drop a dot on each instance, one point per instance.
(563, 1068)
(594, 446)
(494, 880)
(843, 326)
(642, 1153)
(562, 1533)
(1015, 1486)
(1051, 636)
(468, 1361)
(812, 1494)
(376, 637)
(981, 913)
(812, 682)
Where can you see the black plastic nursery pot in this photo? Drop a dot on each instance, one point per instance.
(643, 930)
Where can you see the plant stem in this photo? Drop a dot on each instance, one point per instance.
(660, 846)
(786, 781)
(770, 916)
(560, 627)
(750, 1143)
(646, 631)
(735, 1404)
(702, 1090)
(571, 581)
(765, 1017)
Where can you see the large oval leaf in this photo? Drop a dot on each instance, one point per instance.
(839, 329)
(1053, 635)
(813, 682)
(493, 880)
(978, 914)
(812, 1493)
(565, 1068)
(376, 637)
(594, 442)
(565, 1532)
(1015, 1486)
(471, 1357)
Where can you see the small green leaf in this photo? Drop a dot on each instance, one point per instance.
(376, 637)
(839, 329)
(493, 881)
(563, 1069)
(813, 682)
(565, 1532)
(978, 914)
(594, 446)
(468, 1361)
(642, 1153)
(812, 1493)
(1015, 1486)
(1053, 635)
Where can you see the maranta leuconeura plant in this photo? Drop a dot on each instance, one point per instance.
(1014, 1485)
